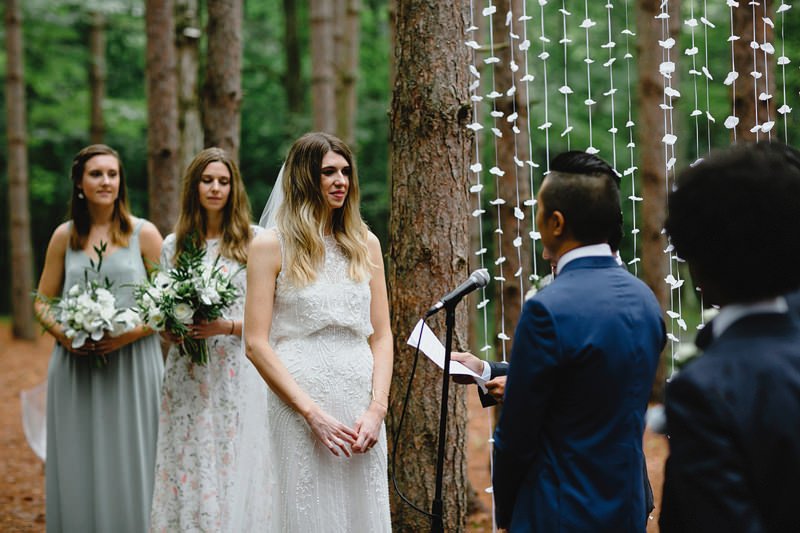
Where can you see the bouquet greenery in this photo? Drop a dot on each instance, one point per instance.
(89, 311)
(192, 291)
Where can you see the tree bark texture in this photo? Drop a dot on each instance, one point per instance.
(748, 107)
(162, 115)
(222, 93)
(650, 130)
(515, 183)
(323, 68)
(187, 41)
(97, 76)
(347, 68)
(429, 248)
(18, 210)
(291, 44)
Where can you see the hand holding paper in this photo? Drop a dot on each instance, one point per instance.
(434, 350)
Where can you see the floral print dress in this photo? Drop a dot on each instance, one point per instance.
(200, 425)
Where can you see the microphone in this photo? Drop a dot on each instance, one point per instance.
(476, 280)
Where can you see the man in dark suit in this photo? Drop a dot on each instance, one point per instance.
(568, 447)
(733, 414)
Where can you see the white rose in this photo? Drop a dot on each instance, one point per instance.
(84, 300)
(74, 290)
(104, 296)
(155, 320)
(184, 313)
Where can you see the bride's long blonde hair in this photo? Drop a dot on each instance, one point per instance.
(301, 216)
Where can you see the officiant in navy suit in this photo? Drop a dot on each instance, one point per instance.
(733, 414)
(568, 447)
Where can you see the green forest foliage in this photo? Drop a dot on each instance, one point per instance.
(56, 69)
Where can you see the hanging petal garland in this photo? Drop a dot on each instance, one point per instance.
(784, 110)
(610, 45)
(732, 121)
(587, 25)
(632, 168)
(544, 56)
(692, 53)
(755, 73)
(477, 188)
(768, 49)
(498, 173)
(519, 214)
(565, 89)
(476, 168)
(527, 79)
(667, 69)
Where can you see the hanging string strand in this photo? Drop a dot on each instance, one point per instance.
(610, 45)
(565, 89)
(631, 170)
(587, 24)
(732, 121)
(784, 110)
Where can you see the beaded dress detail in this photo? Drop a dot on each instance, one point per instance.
(320, 333)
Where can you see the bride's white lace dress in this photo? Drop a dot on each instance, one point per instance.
(320, 333)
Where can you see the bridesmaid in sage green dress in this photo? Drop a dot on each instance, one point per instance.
(101, 420)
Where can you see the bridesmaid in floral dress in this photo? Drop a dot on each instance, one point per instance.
(199, 435)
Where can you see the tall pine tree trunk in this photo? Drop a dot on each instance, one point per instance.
(162, 114)
(515, 182)
(187, 40)
(323, 70)
(291, 44)
(650, 130)
(97, 76)
(429, 250)
(18, 211)
(347, 68)
(747, 104)
(222, 92)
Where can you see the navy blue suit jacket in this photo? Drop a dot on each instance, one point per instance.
(733, 418)
(568, 447)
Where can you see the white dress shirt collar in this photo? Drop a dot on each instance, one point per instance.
(733, 312)
(591, 250)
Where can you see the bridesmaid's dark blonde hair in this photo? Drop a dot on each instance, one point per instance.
(121, 223)
(301, 217)
(236, 232)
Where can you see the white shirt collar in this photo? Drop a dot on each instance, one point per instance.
(733, 312)
(591, 250)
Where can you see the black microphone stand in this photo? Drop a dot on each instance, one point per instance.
(437, 509)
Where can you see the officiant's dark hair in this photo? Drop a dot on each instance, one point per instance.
(735, 217)
(585, 189)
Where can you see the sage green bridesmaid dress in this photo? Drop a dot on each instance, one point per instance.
(102, 422)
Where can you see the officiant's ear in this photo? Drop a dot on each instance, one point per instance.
(558, 223)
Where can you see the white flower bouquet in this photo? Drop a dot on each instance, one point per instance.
(89, 310)
(192, 291)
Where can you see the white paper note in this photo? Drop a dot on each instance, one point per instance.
(429, 345)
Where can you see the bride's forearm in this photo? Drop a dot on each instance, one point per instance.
(278, 378)
(381, 370)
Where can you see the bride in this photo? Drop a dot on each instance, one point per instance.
(317, 329)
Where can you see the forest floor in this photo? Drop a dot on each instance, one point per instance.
(24, 365)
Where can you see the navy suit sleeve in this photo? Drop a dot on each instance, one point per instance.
(498, 368)
(705, 487)
(531, 380)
